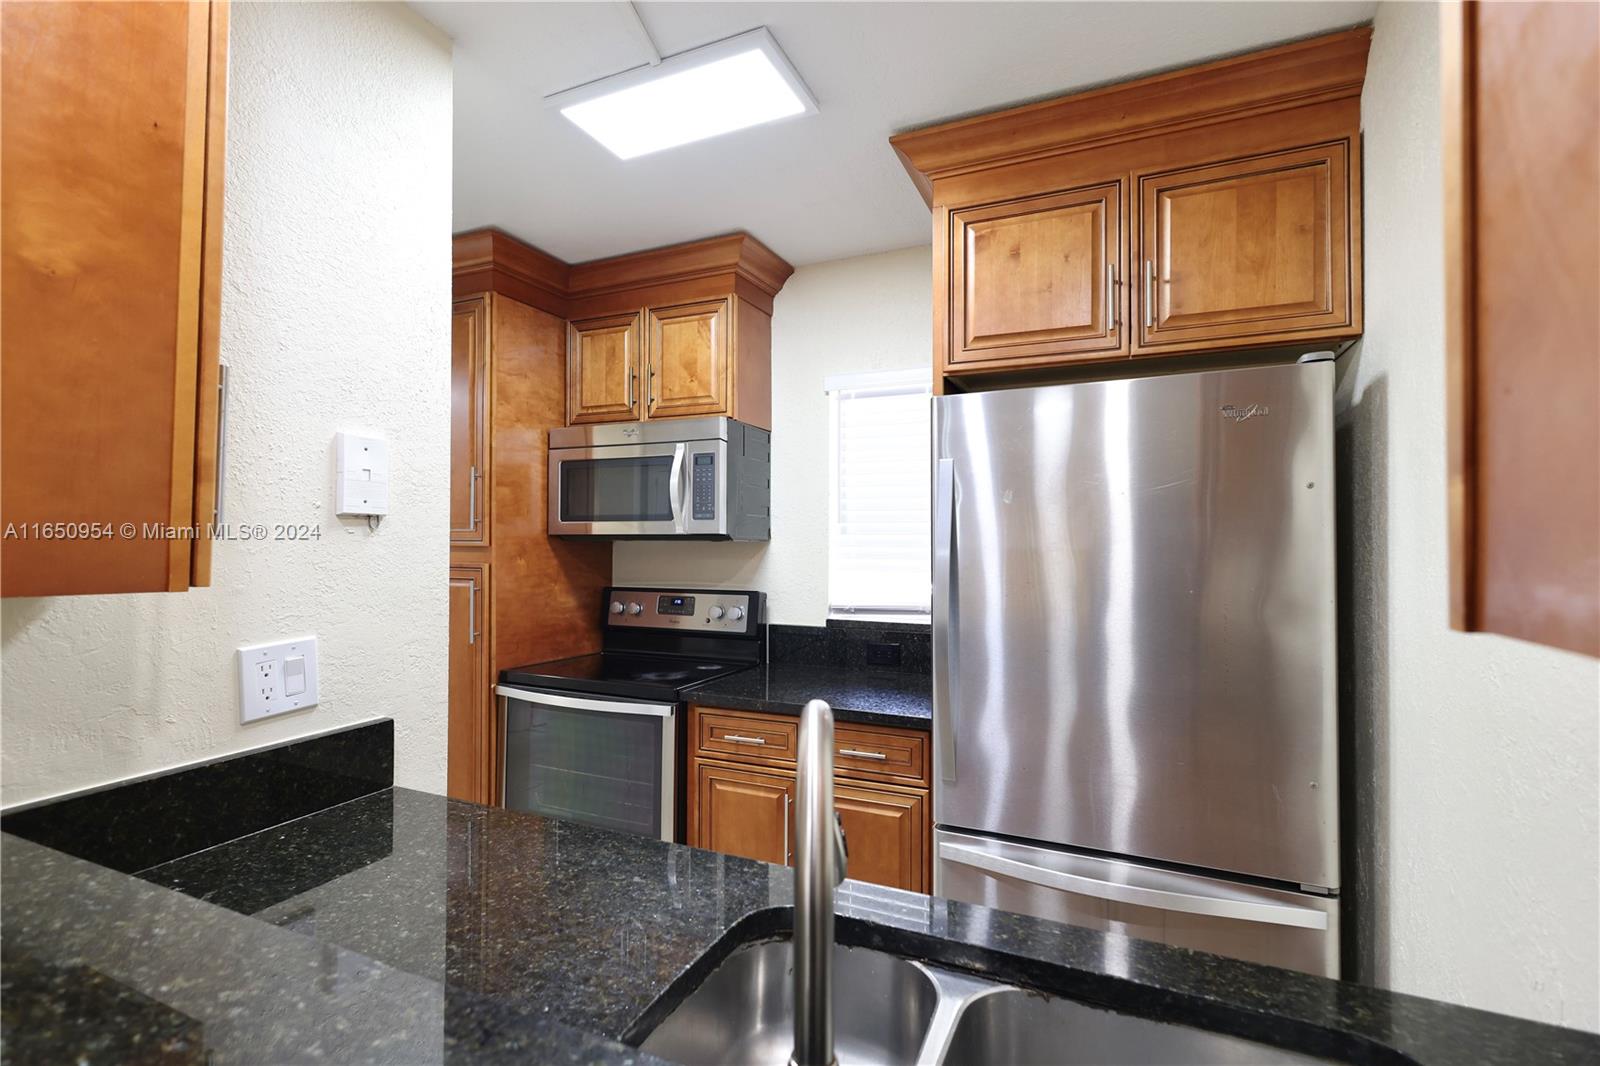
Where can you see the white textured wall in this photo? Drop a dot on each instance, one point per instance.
(1476, 776)
(335, 314)
(871, 312)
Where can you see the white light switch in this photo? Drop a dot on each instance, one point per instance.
(276, 678)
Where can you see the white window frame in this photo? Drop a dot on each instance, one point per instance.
(912, 379)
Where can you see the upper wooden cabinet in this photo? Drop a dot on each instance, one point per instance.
(688, 360)
(677, 332)
(1037, 277)
(1205, 209)
(1521, 151)
(469, 420)
(1246, 249)
(110, 269)
(603, 369)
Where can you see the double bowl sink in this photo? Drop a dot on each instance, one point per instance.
(889, 1009)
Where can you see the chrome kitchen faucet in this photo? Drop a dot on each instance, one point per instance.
(820, 860)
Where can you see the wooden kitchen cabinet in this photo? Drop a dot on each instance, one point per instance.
(745, 812)
(603, 365)
(1249, 250)
(1210, 209)
(688, 353)
(467, 735)
(469, 420)
(743, 767)
(110, 281)
(1038, 277)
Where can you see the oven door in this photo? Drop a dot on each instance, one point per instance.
(640, 490)
(610, 763)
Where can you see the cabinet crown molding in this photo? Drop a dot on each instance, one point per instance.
(491, 260)
(1329, 67)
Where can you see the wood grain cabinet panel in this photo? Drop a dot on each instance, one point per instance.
(1248, 250)
(886, 833)
(603, 360)
(110, 271)
(467, 734)
(688, 355)
(744, 812)
(469, 421)
(1038, 277)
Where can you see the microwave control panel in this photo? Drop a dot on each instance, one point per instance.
(704, 486)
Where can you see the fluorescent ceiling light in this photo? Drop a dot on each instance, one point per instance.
(733, 84)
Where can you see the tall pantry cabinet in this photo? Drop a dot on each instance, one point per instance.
(516, 594)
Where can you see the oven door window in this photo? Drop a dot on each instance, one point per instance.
(590, 766)
(636, 489)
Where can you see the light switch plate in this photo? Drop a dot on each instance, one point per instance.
(277, 678)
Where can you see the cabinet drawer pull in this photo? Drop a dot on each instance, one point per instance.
(787, 854)
(737, 739)
(854, 754)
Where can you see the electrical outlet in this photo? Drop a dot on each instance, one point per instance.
(277, 678)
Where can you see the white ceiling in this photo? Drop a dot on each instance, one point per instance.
(817, 187)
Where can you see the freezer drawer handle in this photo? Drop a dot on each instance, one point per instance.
(1160, 899)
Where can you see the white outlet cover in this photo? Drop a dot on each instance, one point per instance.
(261, 678)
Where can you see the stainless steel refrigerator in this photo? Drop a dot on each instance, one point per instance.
(1134, 676)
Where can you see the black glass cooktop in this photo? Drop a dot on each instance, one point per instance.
(629, 674)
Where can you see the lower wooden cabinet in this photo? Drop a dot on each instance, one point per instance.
(741, 800)
(744, 812)
(468, 730)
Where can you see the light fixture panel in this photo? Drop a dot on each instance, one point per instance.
(718, 88)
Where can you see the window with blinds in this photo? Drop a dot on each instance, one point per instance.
(878, 493)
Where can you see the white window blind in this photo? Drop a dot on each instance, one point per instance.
(878, 513)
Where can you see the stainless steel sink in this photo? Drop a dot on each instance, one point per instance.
(892, 1010)
(1008, 1025)
(744, 1012)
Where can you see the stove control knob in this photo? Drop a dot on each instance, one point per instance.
(715, 612)
(634, 608)
(736, 613)
(616, 606)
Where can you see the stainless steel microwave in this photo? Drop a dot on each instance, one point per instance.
(706, 478)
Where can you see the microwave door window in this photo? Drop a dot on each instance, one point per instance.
(617, 490)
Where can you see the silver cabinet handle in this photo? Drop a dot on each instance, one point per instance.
(472, 500)
(737, 739)
(1111, 298)
(1149, 292)
(472, 613)
(1244, 910)
(788, 801)
(222, 441)
(946, 635)
(854, 754)
(633, 376)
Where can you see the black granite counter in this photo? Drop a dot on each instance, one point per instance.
(856, 694)
(404, 927)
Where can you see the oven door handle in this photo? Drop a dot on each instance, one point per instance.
(586, 703)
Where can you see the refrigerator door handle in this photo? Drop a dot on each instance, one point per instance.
(1137, 895)
(945, 604)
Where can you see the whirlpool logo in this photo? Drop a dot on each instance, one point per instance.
(1235, 413)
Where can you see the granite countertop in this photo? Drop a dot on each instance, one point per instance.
(406, 927)
(856, 693)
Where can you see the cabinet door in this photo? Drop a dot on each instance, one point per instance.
(468, 729)
(1253, 251)
(603, 370)
(469, 421)
(887, 835)
(1038, 278)
(688, 360)
(744, 812)
(110, 258)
